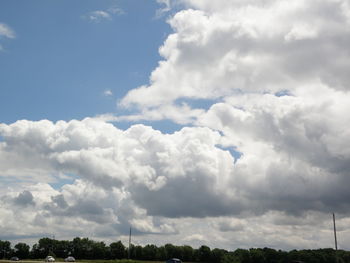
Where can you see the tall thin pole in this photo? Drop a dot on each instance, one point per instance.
(335, 233)
(129, 244)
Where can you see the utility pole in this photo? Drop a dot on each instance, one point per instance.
(335, 239)
(129, 244)
(335, 234)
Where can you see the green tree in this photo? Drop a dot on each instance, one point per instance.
(135, 252)
(22, 250)
(5, 249)
(149, 252)
(62, 248)
(271, 255)
(170, 251)
(257, 255)
(83, 248)
(161, 254)
(217, 255)
(204, 254)
(118, 250)
(43, 248)
(243, 255)
(187, 253)
(98, 250)
(230, 257)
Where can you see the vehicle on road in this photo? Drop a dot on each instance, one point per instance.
(69, 259)
(173, 260)
(14, 259)
(50, 259)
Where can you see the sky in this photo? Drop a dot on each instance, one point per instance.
(222, 123)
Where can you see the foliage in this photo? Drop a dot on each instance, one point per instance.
(98, 252)
(117, 250)
(204, 254)
(5, 249)
(22, 250)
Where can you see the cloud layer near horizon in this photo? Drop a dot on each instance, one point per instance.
(152, 181)
(264, 165)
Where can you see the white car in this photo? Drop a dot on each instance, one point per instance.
(69, 259)
(50, 259)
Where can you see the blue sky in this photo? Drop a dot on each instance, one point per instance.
(60, 63)
(196, 122)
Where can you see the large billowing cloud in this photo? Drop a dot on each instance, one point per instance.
(276, 77)
(277, 74)
(142, 161)
(257, 46)
(125, 177)
(153, 181)
(265, 161)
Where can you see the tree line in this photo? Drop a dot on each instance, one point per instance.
(84, 248)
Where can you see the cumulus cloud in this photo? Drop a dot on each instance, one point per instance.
(278, 74)
(23, 199)
(118, 171)
(147, 179)
(231, 224)
(148, 163)
(275, 74)
(218, 49)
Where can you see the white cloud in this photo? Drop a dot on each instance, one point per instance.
(6, 31)
(182, 114)
(166, 7)
(195, 237)
(276, 76)
(143, 160)
(225, 47)
(98, 15)
(108, 92)
(102, 15)
(244, 55)
(116, 10)
(169, 183)
(300, 32)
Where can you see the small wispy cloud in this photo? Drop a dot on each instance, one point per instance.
(166, 7)
(108, 92)
(6, 31)
(98, 16)
(116, 11)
